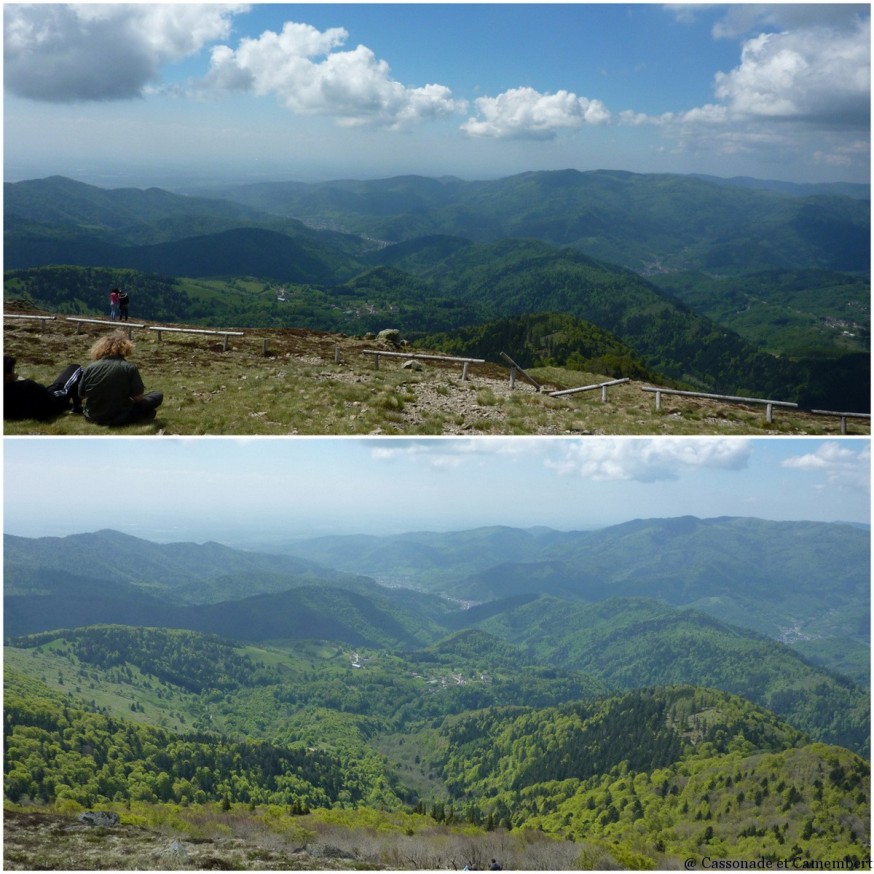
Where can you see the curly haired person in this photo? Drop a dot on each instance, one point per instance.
(112, 387)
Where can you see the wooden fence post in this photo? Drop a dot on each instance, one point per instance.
(525, 376)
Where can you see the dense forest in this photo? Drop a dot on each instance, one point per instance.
(652, 773)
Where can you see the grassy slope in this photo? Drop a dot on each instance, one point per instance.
(796, 313)
(297, 387)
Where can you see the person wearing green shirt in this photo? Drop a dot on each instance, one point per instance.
(112, 387)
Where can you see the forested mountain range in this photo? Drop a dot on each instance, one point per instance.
(640, 221)
(195, 573)
(642, 729)
(767, 576)
(433, 255)
(762, 575)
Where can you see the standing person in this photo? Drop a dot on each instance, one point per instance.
(112, 387)
(113, 304)
(28, 399)
(123, 303)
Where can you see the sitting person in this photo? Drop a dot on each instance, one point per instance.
(28, 399)
(112, 387)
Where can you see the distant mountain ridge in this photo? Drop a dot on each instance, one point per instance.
(637, 220)
(182, 572)
(796, 189)
(767, 576)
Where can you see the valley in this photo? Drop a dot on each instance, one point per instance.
(272, 706)
(759, 293)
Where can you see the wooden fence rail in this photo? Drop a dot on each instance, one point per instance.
(161, 329)
(601, 385)
(844, 417)
(376, 353)
(769, 404)
(108, 322)
(41, 319)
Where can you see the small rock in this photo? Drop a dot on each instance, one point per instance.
(390, 335)
(99, 817)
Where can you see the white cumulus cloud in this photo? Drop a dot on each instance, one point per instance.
(524, 113)
(440, 453)
(102, 51)
(801, 87)
(818, 75)
(843, 464)
(649, 460)
(309, 74)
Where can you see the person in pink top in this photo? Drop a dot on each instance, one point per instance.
(113, 304)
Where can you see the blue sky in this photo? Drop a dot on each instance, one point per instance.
(261, 492)
(143, 94)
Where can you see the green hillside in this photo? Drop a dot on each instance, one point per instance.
(639, 780)
(630, 643)
(365, 300)
(515, 277)
(791, 312)
(143, 763)
(545, 340)
(676, 771)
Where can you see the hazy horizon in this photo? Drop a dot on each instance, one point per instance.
(282, 543)
(188, 181)
(273, 490)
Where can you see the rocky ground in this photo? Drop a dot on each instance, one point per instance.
(196, 839)
(49, 841)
